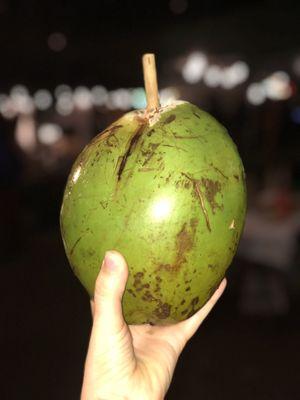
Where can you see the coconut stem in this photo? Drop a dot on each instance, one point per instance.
(150, 80)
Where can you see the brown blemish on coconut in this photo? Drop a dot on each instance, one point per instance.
(150, 133)
(219, 171)
(168, 177)
(193, 307)
(163, 311)
(167, 267)
(199, 195)
(157, 285)
(195, 301)
(131, 292)
(157, 288)
(212, 267)
(187, 184)
(184, 243)
(103, 204)
(107, 132)
(112, 140)
(131, 145)
(149, 153)
(147, 296)
(74, 245)
(185, 137)
(211, 188)
(96, 158)
(137, 283)
(170, 119)
(202, 204)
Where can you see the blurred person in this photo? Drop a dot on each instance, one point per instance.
(136, 361)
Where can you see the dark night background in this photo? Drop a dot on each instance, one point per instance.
(249, 346)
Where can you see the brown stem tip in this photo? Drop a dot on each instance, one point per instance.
(150, 80)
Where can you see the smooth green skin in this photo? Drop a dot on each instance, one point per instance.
(169, 213)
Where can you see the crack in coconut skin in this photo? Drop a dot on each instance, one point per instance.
(162, 189)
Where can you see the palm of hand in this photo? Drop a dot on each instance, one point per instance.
(136, 361)
(156, 350)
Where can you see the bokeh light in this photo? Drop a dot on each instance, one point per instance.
(7, 107)
(194, 67)
(234, 75)
(25, 133)
(42, 99)
(62, 88)
(278, 86)
(23, 103)
(99, 95)
(119, 99)
(64, 104)
(83, 98)
(256, 94)
(213, 76)
(49, 133)
(19, 89)
(138, 98)
(168, 95)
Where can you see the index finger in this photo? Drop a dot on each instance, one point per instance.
(190, 326)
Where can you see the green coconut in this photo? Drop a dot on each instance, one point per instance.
(166, 188)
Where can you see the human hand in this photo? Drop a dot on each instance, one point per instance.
(135, 361)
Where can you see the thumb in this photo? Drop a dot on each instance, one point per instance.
(109, 289)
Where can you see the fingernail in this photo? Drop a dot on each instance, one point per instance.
(109, 262)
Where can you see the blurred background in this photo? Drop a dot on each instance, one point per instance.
(67, 70)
